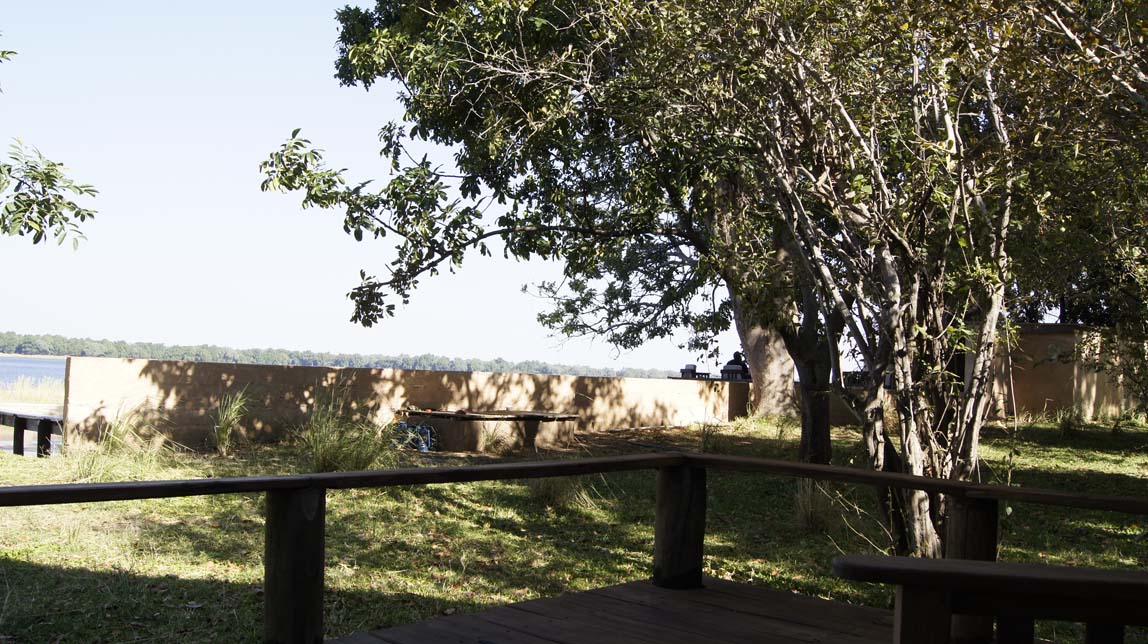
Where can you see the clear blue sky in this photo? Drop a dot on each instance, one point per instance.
(168, 108)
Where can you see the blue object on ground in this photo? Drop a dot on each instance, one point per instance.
(421, 437)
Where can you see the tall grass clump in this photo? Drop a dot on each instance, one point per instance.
(129, 447)
(563, 492)
(332, 440)
(711, 440)
(1133, 418)
(39, 391)
(1069, 421)
(813, 506)
(229, 418)
(496, 442)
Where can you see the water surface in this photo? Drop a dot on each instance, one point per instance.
(36, 368)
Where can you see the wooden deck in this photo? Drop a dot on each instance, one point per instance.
(639, 612)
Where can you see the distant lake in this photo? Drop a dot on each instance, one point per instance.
(12, 367)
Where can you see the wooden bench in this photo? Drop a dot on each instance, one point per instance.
(468, 431)
(931, 591)
(45, 426)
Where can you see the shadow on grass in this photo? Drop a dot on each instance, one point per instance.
(407, 554)
(1090, 482)
(56, 604)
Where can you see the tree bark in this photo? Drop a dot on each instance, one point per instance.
(816, 440)
(772, 391)
(814, 397)
(883, 457)
(768, 329)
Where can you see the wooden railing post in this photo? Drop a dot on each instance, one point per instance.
(680, 527)
(919, 616)
(18, 427)
(293, 566)
(1096, 633)
(44, 437)
(971, 533)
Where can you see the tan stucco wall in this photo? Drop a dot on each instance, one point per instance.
(1098, 393)
(187, 393)
(1043, 371)
(1048, 375)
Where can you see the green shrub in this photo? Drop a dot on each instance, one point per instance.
(229, 419)
(332, 440)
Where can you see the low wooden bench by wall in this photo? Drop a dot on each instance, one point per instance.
(478, 431)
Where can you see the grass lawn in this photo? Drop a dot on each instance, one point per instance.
(190, 569)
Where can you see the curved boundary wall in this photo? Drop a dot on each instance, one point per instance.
(180, 398)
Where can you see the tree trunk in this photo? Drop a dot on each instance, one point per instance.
(775, 349)
(816, 440)
(890, 503)
(907, 513)
(772, 391)
(883, 457)
(923, 539)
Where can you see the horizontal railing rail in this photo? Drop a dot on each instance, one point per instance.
(960, 489)
(296, 511)
(132, 490)
(21, 495)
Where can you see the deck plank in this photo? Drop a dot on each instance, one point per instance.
(738, 618)
(641, 613)
(623, 628)
(363, 638)
(679, 621)
(566, 628)
(457, 629)
(727, 596)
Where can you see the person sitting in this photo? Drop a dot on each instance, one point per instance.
(736, 369)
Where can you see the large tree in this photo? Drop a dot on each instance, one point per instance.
(553, 114)
(899, 145)
(866, 163)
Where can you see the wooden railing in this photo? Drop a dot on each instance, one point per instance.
(296, 515)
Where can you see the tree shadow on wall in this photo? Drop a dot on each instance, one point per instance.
(185, 396)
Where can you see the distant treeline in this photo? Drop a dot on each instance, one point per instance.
(55, 345)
